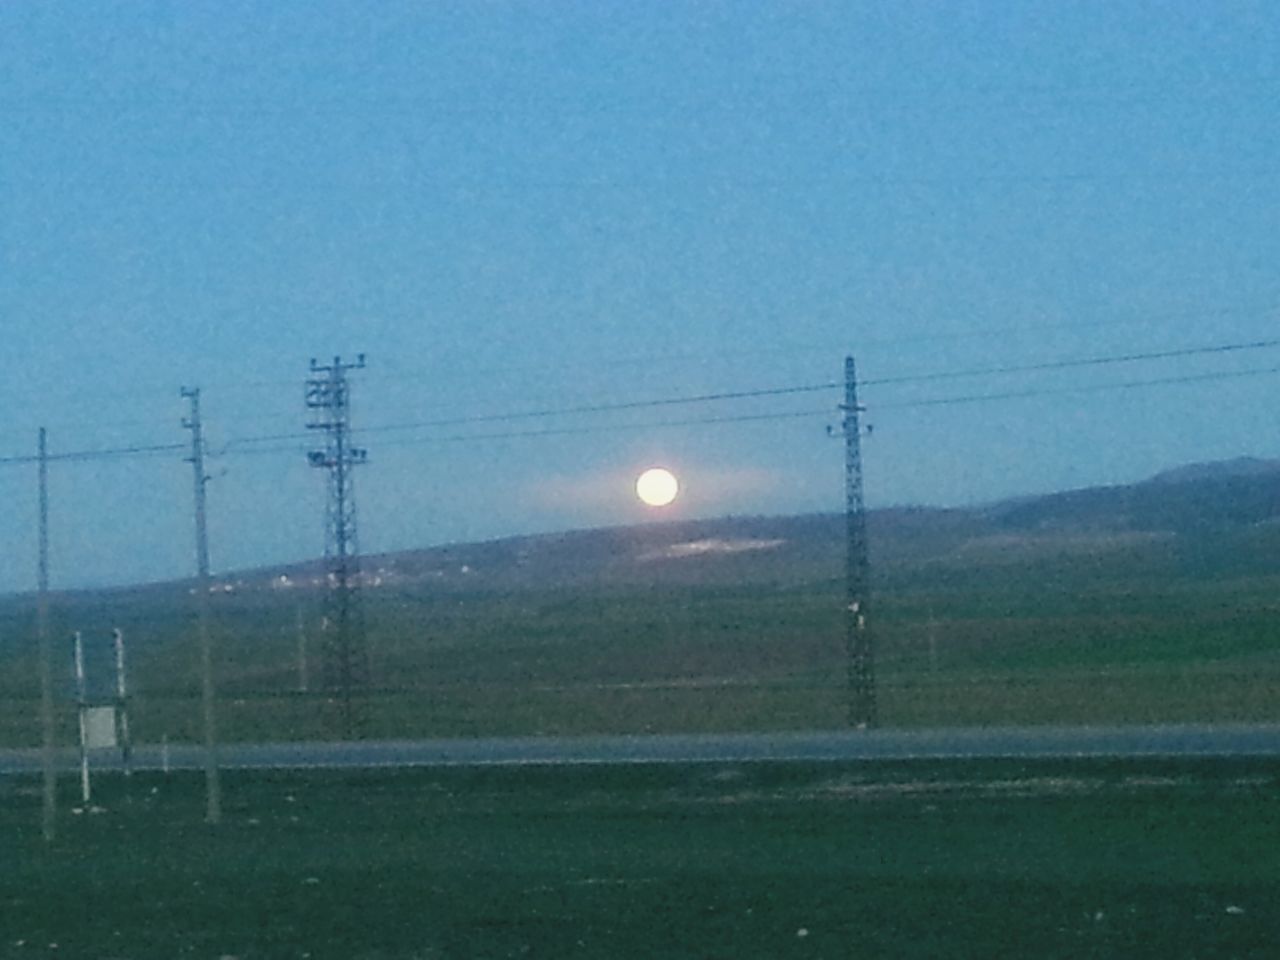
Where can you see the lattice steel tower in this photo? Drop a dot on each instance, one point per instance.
(858, 645)
(346, 660)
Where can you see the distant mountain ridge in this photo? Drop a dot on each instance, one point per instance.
(1218, 470)
(1218, 501)
(1203, 516)
(1041, 600)
(1198, 496)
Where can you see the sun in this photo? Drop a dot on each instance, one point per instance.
(657, 487)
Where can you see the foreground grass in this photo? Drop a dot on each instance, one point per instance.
(1113, 697)
(903, 859)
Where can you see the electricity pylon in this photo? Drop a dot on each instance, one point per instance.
(346, 662)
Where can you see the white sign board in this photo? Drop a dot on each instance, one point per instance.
(99, 728)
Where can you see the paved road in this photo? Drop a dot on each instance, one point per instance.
(1186, 741)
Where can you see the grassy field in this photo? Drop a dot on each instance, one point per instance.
(1076, 858)
(1164, 632)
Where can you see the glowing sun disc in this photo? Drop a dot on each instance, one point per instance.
(657, 487)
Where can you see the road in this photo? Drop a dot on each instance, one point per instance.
(986, 742)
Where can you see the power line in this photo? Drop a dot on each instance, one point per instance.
(107, 453)
(800, 414)
(785, 390)
(566, 431)
(499, 185)
(412, 373)
(1068, 364)
(975, 333)
(768, 90)
(791, 414)
(1093, 388)
(1020, 329)
(565, 411)
(795, 389)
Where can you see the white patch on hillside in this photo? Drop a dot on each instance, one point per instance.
(711, 545)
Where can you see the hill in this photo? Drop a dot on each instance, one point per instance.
(1187, 515)
(1141, 603)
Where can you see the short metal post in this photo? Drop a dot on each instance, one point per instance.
(82, 704)
(122, 704)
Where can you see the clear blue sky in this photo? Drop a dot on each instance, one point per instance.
(516, 206)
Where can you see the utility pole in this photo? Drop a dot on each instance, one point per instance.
(122, 704)
(858, 646)
(213, 790)
(302, 651)
(346, 663)
(49, 821)
(933, 642)
(82, 704)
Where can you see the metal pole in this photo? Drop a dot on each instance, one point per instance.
(49, 819)
(861, 671)
(213, 790)
(83, 704)
(302, 652)
(122, 704)
(933, 642)
(346, 665)
(341, 533)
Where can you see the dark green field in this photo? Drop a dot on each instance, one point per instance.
(1157, 859)
(714, 659)
(976, 621)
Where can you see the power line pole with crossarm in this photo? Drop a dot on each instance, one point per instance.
(858, 641)
(49, 816)
(213, 789)
(346, 663)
